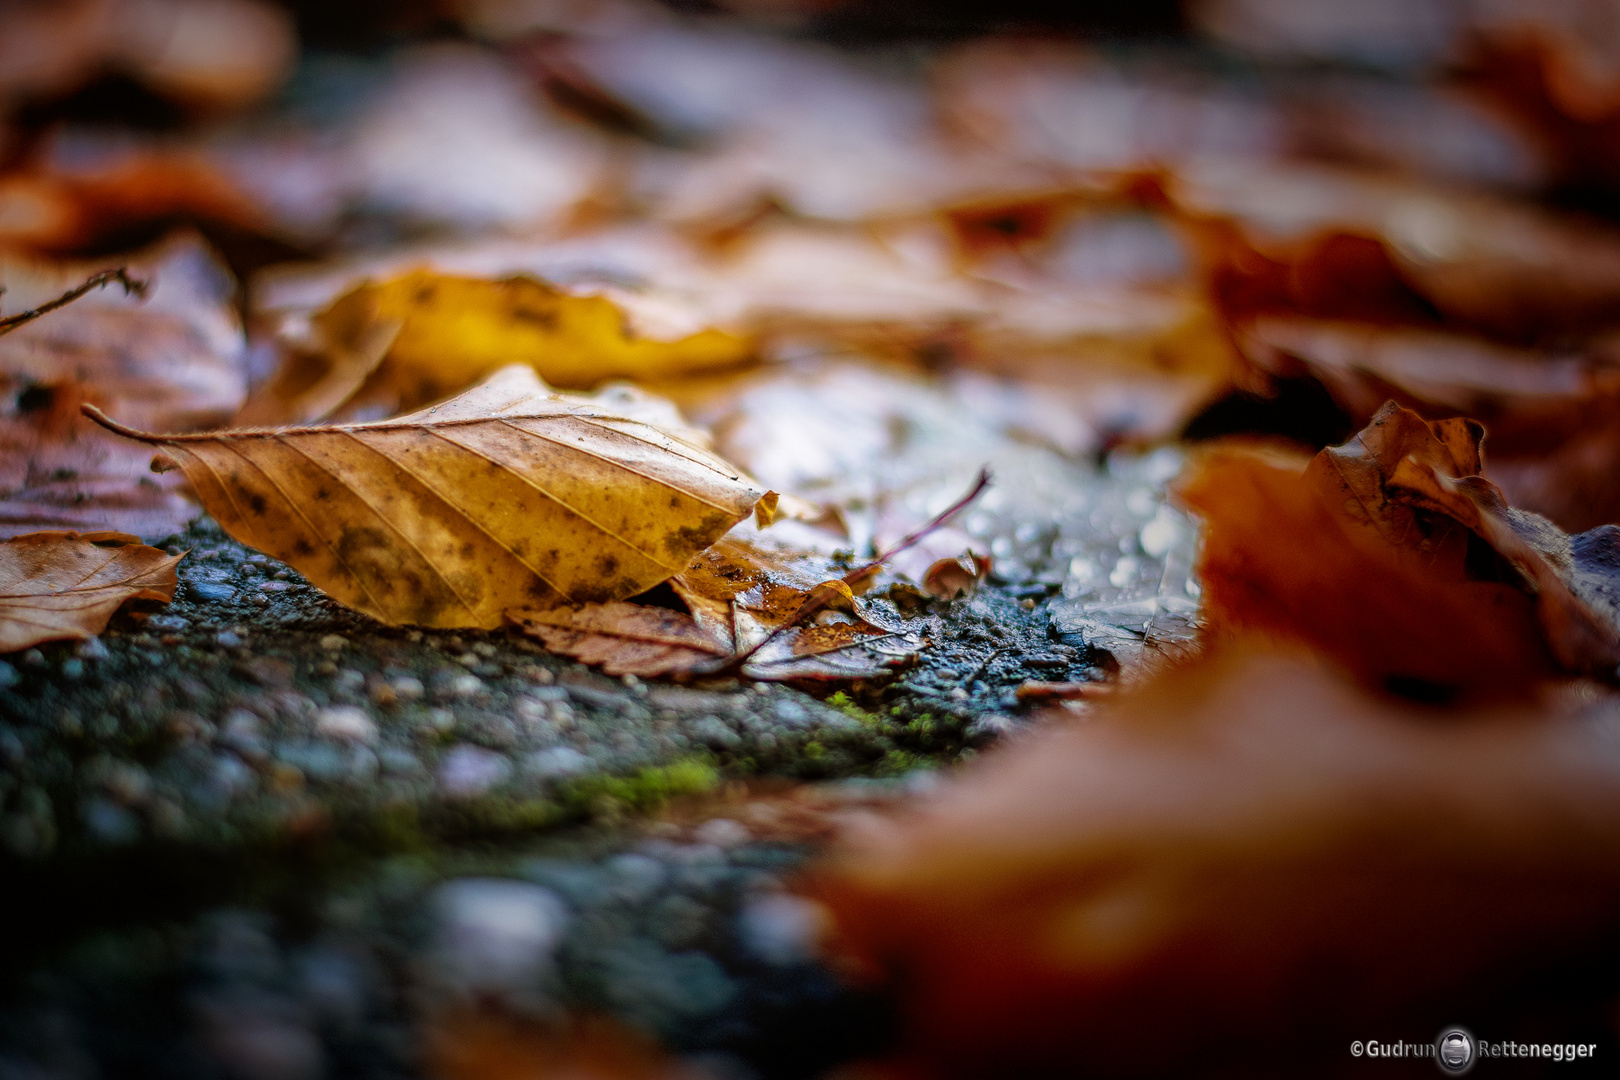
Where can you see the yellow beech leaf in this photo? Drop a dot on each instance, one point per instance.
(505, 497)
(56, 585)
(440, 334)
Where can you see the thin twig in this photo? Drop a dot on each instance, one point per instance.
(106, 277)
(819, 598)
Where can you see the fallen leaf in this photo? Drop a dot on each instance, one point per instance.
(467, 1044)
(627, 639)
(1118, 896)
(399, 344)
(1394, 556)
(506, 497)
(952, 579)
(56, 585)
(746, 605)
(1337, 243)
(1551, 413)
(208, 57)
(172, 361)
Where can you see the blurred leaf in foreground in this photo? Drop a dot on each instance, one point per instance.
(1250, 857)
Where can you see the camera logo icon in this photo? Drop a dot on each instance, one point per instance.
(1454, 1051)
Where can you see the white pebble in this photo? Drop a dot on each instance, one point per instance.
(348, 722)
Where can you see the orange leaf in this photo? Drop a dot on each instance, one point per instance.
(56, 585)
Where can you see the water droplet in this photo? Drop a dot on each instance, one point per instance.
(1124, 571)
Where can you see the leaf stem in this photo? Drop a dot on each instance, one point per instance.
(819, 597)
(131, 286)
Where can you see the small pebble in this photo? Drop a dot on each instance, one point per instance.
(557, 763)
(722, 832)
(33, 658)
(781, 929)
(210, 591)
(469, 770)
(334, 642)
(1027, 604)
(347, 722)
(466, 685)
(8, 675)
(228, 639)
(73, 668)
(408, 688)
(93, 649)
(495, 934)
(348, 680)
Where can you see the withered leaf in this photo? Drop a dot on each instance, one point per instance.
(56, 585)
(745, 602)
(1337, 243)
(626, 639)
(505, 497)
(1552, 413)
(172, 362)
(1212, 845)
(409, 340)
(1394, 556)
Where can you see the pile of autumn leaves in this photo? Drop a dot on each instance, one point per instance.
(505, 504)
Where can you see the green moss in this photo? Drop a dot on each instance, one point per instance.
(896, 762)
(643, 790)
(846, 705)
(814, 750)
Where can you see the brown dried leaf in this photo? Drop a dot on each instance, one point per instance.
(504, 498)
(1553, 415)
(56, 585)
(1340, 244)
(465, 1044)
(1179, 872)
(1393, 556)
(951, 579)
(741, 597)
(627, 639)
(172, 362)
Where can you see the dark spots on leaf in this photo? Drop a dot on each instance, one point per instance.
(257, 504)
(322, 494)
(543, 318)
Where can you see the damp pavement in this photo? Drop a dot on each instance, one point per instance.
(257, 835)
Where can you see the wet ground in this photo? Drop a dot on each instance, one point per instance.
(257, 835)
